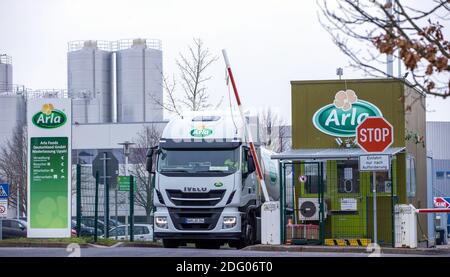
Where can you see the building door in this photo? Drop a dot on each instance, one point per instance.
(303, 202)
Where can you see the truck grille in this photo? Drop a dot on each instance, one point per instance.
(208, 216)
(180, 198)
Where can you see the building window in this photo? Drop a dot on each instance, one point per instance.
(447, 174)
(348, 176)
(410, 176)
(440, 175)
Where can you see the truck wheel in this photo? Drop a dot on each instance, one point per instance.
(168, 243)
(250, 234)
(250, 228)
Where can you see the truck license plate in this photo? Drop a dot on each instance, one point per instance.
(194, 220)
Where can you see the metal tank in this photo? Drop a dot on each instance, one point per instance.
(89, 81)
(13, 114)
(5, 73)
(139, 80)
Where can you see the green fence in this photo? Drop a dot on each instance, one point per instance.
(99, 208)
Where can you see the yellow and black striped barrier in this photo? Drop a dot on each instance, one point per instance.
(347, 242)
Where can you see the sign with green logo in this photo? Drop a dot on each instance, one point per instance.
(124, 183)
(49, 117)
(49, 164)
(201, 131)
(49, 178)
(341, 118)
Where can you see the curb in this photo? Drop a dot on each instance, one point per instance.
(137, 244)
(292, 248)
(41, 245)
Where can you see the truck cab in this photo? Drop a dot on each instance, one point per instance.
(205, 187)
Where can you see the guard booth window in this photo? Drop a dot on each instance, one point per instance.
(348, 176)
(312, 177)
(384, 184)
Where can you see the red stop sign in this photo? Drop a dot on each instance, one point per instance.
(374, 134)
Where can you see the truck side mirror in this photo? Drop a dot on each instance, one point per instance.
(149, 162)
(251, 164)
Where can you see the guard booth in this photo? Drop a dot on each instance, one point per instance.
(325, 198)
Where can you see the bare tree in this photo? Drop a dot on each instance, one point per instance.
(13, 167)
(270, 130)
(171, 102)
(193, 77)
(144, 140)
(398, 28)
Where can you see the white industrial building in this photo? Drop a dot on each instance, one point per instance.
(115, 87)
(116, 91)
(115, 81)
(439, 155)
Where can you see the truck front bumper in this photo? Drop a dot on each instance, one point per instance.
(177, 228)
(198, 236)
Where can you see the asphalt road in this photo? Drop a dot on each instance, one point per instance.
(162, 252)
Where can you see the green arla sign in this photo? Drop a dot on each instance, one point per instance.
(49, 117)
(201, 131)
(341, 118)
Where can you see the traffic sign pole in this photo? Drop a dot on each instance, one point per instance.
(96, 207)
(105, 207)
(4, 194)
(131, 208)
(78, 183)
(18, 202)
(374, 135)
(375, 230)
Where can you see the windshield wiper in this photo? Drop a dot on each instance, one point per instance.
(215, 170)
(174, 170)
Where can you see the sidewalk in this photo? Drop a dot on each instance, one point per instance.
(439, 250)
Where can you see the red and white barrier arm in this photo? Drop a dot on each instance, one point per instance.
(247, 130)
(432, 210)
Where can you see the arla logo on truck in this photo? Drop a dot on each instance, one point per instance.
(49, 117)
(341, 118)
(201, 131)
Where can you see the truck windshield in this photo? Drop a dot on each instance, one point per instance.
(199, 160)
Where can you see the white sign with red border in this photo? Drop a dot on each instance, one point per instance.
(3, 208)
(442, 202)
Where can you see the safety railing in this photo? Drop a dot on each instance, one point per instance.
(113, 46)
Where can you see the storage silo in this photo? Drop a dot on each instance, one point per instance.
(13, 114)
(89, 81)
(5, 73)
(139, 80)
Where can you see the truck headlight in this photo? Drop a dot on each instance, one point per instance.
(229, 222)
(161, 222)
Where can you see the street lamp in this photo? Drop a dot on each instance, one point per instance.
(126, 152)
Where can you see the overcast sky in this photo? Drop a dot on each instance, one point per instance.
(269, 43)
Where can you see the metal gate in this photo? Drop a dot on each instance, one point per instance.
(97, 207)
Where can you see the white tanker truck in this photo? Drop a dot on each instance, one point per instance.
(206, 191)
